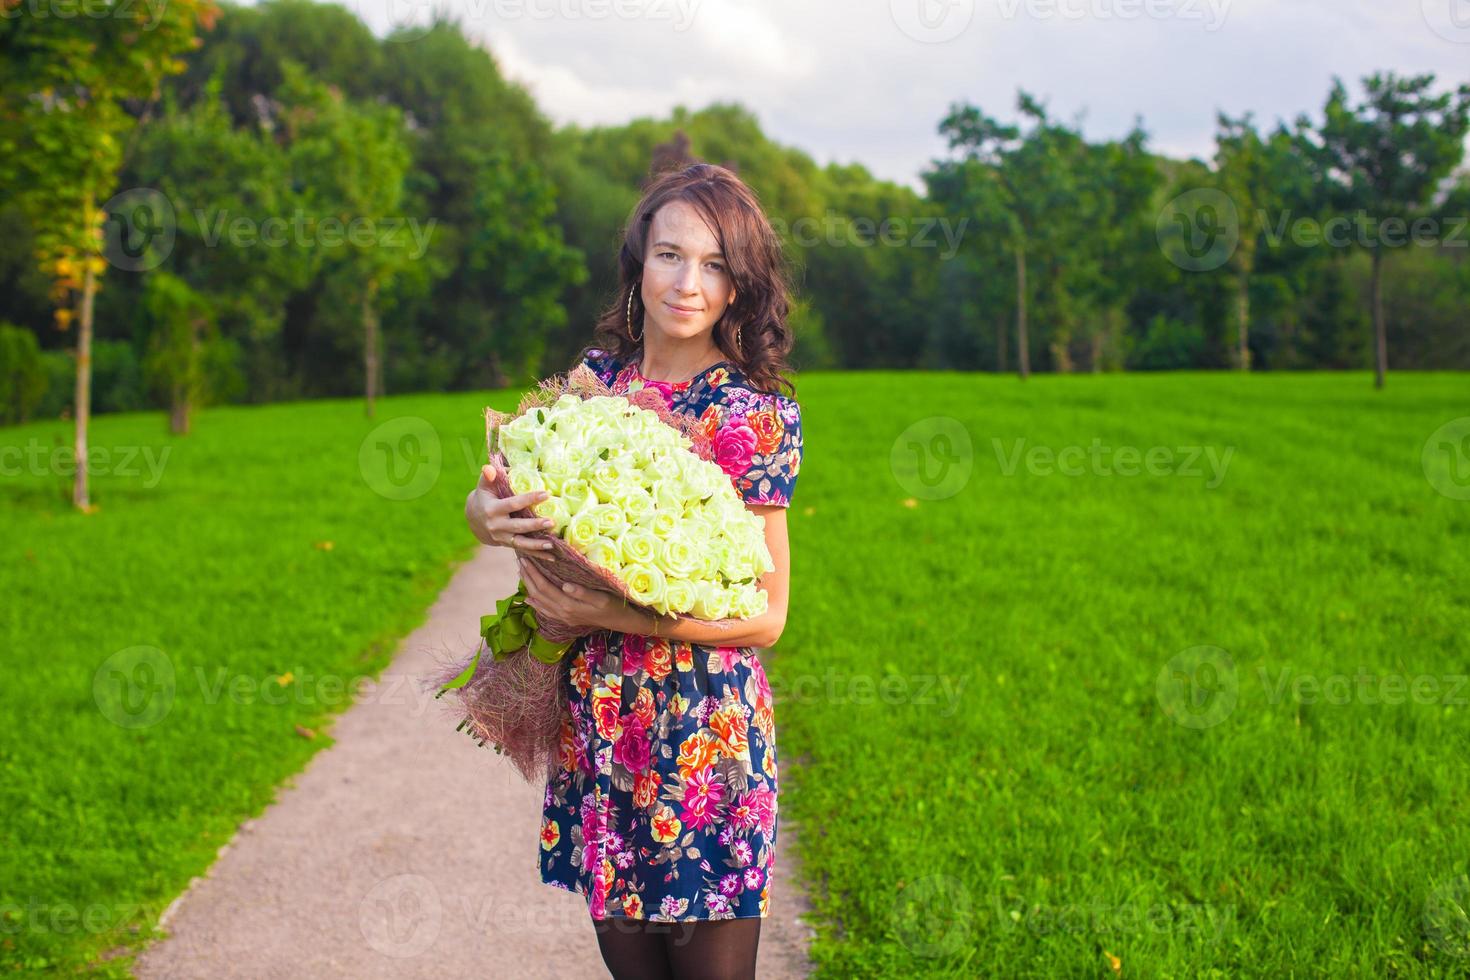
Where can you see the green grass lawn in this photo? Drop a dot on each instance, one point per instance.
(1054, 814)
(207, 559)
(1031, 716)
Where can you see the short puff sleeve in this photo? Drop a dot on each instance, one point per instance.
(601, 363)
(758, 444)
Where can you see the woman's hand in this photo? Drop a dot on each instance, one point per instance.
(490, 521)
(578, 605)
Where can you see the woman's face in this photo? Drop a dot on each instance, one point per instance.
(686, 281)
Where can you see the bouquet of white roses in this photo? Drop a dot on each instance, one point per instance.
(629, 494)
(639, 508)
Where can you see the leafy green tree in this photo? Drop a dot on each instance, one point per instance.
(1383, 161)
(1033, 184)
(64, 82)
(354, 158)
(228, 193)
(1121, 180)
(182, 323)
(23, 377)
(1243, 166)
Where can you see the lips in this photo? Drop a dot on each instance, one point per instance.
(681, 309)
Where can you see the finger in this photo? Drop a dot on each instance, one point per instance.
(533, 582)
(526, 500)
(487, 476)
(529, 544)
(525, 545)
(534, 574)
(527, 525)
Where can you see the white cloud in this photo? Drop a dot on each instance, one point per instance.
(845, 82)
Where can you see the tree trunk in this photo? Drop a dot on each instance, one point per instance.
(1061, 354)
(1023, 350)
(370, 342)
(1243, 321)
(80, 496)
(1380, 329)
(182, 403)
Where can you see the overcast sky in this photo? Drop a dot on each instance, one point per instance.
(869, 80)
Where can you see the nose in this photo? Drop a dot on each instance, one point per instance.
(688, 281)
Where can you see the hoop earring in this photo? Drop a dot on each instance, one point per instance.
(628, 315)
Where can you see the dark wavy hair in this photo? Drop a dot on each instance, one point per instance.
(752, 254)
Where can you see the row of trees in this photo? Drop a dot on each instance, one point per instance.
(284, 206)
(1101, 221)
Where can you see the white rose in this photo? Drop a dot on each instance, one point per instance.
(749, 601)
(647, 585)
(710, 601)
(556, 509)
(609, 520)
(582, 529)
(679, 557)
(604, 551)
(525, 480)
(638, 546)
(679, 595)
(578, 495)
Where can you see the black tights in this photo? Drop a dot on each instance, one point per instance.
(714, 949)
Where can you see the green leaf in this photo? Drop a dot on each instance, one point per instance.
(464, 675)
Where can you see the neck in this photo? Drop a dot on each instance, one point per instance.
(676, 364)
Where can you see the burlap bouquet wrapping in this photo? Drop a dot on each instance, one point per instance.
(517, 704)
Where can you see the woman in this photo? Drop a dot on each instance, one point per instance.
(663, 811)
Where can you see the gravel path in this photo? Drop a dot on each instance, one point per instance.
(405, 850)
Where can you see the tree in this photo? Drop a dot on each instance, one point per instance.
(23, 378)
(64, 82)
(1121, 180)
(354, 157)
(1245, 175)
(182, 323)
(1033, 179)
(227, 190)
(1383, 162)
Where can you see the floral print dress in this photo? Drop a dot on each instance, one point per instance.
(664, 803)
